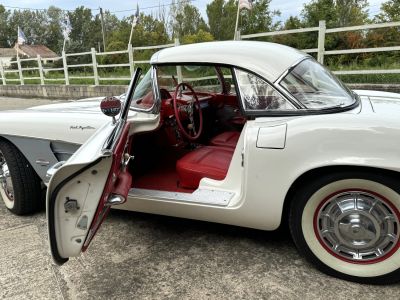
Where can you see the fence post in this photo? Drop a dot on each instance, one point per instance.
(64, 59)
(3, 75)
(21, 77)
(321, 41)
(131, 63)
(95, 73)
(178, 68)
(39, 61)
(237, 36)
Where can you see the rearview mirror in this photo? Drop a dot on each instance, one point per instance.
(111, 107)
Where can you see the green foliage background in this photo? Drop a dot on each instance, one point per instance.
(185, 22)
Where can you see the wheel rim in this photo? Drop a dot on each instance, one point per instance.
(358, 226)
(6, 186)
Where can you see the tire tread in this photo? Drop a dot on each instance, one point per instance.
(27, 184)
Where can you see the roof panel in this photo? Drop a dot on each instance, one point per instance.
(267, 59)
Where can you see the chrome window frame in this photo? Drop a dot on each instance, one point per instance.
(258, 111)
(156, 95)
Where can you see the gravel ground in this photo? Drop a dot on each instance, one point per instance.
(141, 256)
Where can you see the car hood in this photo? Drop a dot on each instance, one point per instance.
(382, 102)
(91, 106)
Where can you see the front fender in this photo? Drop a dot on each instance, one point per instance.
(313, 142)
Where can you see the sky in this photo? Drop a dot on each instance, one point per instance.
(287, 7)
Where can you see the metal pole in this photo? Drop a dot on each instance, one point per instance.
(321, 41)
(237, 22)
(102, 29)
(130, 36)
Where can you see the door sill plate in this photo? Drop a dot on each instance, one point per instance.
(199, 196)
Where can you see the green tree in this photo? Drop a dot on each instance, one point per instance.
(222, 17)
(86, 29)
(200, 36)
(298, 40)
(259, 18)
(53, 38)
(185, 19)
(5, 40)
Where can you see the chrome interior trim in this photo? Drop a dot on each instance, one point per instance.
(199, 196)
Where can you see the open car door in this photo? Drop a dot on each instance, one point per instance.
(82, 190)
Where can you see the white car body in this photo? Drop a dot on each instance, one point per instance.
(272, 155)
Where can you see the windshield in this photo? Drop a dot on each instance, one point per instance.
(315, 87)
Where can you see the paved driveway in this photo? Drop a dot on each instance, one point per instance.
(140, 256)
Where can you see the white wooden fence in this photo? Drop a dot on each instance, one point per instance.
(95, 65)
(321, 52)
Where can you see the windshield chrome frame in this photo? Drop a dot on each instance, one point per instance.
(278, 84)
(156, 94)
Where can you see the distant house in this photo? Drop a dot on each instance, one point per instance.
(6, 55)
(29, 51)
(32, 51)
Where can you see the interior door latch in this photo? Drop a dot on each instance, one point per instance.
(71, 205)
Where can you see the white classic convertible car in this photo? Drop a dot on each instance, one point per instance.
(244, 133)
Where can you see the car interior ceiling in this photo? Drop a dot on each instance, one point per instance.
(165, 160)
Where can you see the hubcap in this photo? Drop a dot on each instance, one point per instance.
(5, 179)
(358, 226)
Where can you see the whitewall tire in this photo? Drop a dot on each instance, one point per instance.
(348, 224)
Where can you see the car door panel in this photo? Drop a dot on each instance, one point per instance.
(81, 192)
(74, 210)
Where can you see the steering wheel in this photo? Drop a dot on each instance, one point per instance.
(188, 106)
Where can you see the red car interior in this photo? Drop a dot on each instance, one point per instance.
(226, 139)
(166, 161)
(208, 161)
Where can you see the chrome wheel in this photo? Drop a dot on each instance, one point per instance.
(358, 226)
(6, 186)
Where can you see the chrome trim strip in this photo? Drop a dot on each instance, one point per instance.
(199, 196)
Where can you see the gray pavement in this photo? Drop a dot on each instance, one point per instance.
(141, 256)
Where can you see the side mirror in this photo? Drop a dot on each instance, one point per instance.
(111, 107)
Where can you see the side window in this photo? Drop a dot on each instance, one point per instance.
(257, 94)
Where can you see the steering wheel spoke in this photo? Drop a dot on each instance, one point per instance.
(189, 108)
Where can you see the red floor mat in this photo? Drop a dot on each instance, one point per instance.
(163, 179)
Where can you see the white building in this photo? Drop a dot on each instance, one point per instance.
(6, 54)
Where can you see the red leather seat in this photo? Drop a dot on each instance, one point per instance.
(207, 161)
(226, 139)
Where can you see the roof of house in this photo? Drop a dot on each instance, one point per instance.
(34, 50)
(7, 52)
(266, 59)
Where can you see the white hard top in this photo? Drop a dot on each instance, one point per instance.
(266, 59)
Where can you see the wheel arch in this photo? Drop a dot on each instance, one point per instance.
(321, 171)
(30, 148)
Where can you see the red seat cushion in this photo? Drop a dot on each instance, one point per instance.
(226, 139)
(207, 161)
